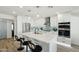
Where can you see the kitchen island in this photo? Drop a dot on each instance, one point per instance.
(47, 40)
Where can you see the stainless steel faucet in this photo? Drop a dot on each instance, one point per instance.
(36, 30)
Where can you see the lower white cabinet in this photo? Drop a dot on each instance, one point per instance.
(64, 40)
(46, 47)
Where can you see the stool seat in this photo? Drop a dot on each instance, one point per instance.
(37, 48)
(18, 40)
(20, 48)
(22, 39)
(25, 43)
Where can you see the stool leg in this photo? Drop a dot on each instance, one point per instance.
(26, 48)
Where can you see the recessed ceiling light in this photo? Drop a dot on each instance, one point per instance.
(20, 6)
(29, 17)
(14, 12)
(38, 15)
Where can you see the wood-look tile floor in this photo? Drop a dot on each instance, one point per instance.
(8, 45)
(74, 48)
(11, 45)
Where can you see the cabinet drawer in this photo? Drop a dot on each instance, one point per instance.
(60, 39)
(67, 40)
(64, 40)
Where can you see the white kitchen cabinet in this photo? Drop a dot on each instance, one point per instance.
(3, 29)
(0, 30)
(64, 18)
(64, 40)
(45, 46)
(60, 17)
(54, 21)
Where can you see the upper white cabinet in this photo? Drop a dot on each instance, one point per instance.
(64, 18)
(60, 18)
(63, 32)
(54, 21)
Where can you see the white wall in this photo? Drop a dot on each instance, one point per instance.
(75, 30)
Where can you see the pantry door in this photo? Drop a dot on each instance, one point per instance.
(3, 29)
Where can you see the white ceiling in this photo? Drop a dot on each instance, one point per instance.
(43, 11)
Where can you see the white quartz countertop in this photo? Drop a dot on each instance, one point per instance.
(44, 36)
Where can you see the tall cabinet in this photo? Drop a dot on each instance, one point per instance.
(5, 29)
(64, 29)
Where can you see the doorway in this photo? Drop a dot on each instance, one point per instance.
(12, 29)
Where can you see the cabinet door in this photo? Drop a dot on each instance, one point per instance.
(60, 39)
(60, 18)
(0, 30)
(64, 18)
(68, 41)
(54, 21)
(64, 40)
(3, 29)
(45, 46)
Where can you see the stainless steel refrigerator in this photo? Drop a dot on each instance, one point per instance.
(26, 27)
